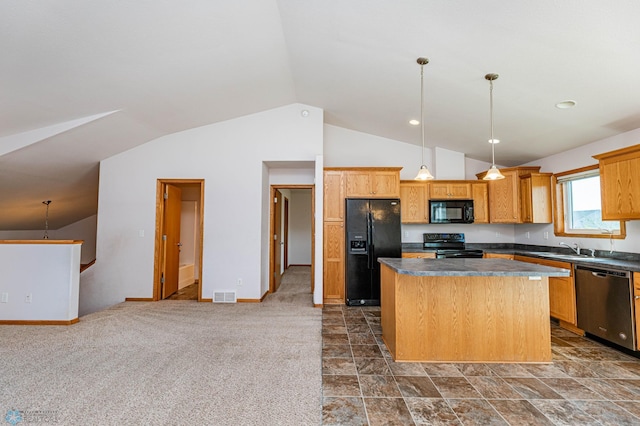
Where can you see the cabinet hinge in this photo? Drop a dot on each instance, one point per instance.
(166, 195)
(164, 238)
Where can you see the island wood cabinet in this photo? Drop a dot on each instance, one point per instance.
(562, 292)
(620, 183)
(414, 201)
(341, 183)
(449, 190)
(373, 183)
(505, 196)
(415, 196)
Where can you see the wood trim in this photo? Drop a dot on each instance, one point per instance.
(41, 241)
(205, 300)
(617, 152)
(87, 265)
(39, 322)
(139, 299)
(557, 193)
(157, 288)
(572, 328)
(579, 170)
(362, 169)
(318, 305)
(253, 300)
(272, 191)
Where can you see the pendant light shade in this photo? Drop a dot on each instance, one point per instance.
(423, 173)
(493, 173)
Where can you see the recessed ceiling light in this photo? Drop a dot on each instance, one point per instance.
(414, 122)
(494, 141)
(566, 104)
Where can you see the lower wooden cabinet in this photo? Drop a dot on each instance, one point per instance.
(498, 256)
(333, 276)
(420, 255)
(562, 290)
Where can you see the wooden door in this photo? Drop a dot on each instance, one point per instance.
(277, 240)
(171, 238)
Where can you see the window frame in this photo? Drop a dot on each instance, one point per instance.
(559, 208)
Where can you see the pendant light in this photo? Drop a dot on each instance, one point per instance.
(423, 173)
(493, 173)
(46, 220)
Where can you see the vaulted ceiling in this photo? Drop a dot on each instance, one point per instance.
(83, 80)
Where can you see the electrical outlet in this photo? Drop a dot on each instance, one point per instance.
(239, 281)
(546, 235)
(527, 234)
(406, 234)
(497, 235)
(27, 298)
(5, 298)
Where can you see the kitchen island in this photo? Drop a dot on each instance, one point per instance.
(466, 310)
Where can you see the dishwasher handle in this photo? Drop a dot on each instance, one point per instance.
(604, 273)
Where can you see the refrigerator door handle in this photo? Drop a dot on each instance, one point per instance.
(370, 253)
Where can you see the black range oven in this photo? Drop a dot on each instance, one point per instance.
(449, 246)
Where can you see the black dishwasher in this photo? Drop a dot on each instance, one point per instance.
(604, 301)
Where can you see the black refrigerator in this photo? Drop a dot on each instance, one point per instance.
(372, 231)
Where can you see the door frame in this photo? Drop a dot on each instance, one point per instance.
(158, 258)
(273, 190)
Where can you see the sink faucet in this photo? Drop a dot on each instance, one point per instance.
(575, 248)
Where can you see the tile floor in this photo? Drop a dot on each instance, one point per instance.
(587, 383)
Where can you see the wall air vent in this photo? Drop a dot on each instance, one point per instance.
(224, 297)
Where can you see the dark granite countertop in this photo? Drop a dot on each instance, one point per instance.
(470, 267)
(602, 259)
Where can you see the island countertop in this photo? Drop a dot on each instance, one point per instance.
(470, 267)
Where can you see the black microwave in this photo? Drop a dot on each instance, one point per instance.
(450, 211)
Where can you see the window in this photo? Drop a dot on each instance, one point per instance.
(578, 209)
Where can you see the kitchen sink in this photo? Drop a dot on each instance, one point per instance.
(569, 257)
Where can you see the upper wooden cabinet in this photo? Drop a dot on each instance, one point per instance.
(414, 201)
(375, 182)
(505, 196)
(480, 196)
(333, 195)
(535, 198)
(444, 190)
(620, 183)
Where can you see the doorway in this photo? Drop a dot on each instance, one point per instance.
(291, 213)
(178, 238)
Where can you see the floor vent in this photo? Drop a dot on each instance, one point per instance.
(224, 297)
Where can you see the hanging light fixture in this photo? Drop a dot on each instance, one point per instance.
(423, 173)
(493, 173)
(46, 220)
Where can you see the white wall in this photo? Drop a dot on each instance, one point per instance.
(84, 230)
(573, 159)
(448, 164)
(231, 157)
(49, 272)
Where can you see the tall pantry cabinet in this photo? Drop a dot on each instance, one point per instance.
(341, 183)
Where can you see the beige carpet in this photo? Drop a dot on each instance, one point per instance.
(172, 362)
